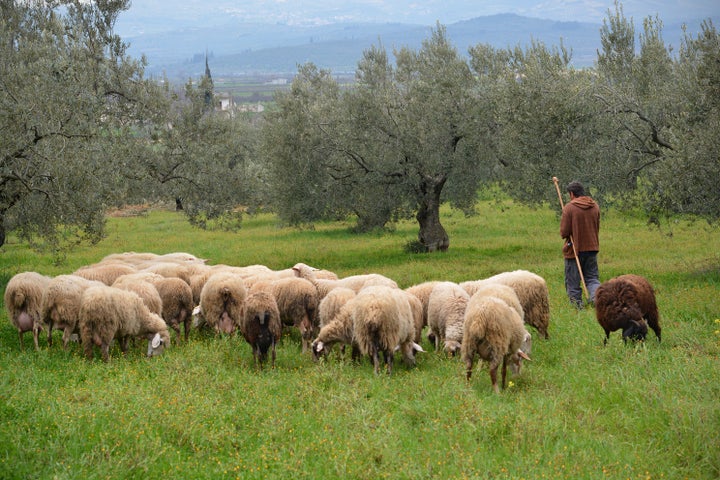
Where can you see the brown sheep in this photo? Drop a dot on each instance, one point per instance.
(23, 302)
(494, 332)
(627, 302)
(297, 300)
(108, 313)
(261, 326)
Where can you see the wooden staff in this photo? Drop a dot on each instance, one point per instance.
(570, 239)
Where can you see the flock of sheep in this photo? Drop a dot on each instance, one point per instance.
(144, 295)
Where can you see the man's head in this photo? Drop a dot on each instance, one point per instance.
(576, 188)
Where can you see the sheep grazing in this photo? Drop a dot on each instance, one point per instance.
(23, 302)
(143, 289)
(108, 313)
(336, 324)
(106, 273)
(532, 291)
(324, 282)
(494, 332)
(382, 323)
(222, 301)
(422, 292)
(446, 315)
(261, 326)
(176, 298)
(504, 293)
(177, 303)
(297, 300)
(61, 305)
(627, 303)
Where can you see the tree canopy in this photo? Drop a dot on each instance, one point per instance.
(81, 129)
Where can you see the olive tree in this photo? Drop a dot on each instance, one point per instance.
(203, 158)
(687, 180)
(68, 94)
(388, 146)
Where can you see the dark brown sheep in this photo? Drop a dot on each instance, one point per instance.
(261, 326)
(627, 303)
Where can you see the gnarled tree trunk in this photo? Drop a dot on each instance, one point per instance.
(432, 234)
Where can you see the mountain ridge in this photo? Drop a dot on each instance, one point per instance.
(242, 48)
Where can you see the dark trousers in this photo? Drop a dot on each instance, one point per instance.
(573, 287)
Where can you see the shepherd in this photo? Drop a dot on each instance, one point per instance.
(580, 228)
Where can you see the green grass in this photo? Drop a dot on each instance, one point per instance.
(579, 410)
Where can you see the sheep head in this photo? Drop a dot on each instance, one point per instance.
(318, 349)
(452, 347)
(156, 345)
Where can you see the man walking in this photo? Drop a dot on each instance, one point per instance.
(580, 222)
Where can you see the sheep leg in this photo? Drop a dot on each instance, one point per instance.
(124, 344)
(49, 337)
(36, 334)
(468, 368)
(504, 371)
(494, 364)
(105, 350)
(376, 360)
(186, 321)
(20, 336)
(67, 333)
(389, 358)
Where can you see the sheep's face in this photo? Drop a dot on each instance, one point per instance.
(636, 330)
(156, 345)
(522, 354)
(318, 349)
(452, 347)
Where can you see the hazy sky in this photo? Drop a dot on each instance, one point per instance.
(153, 14)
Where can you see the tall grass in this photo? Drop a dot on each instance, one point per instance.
(202, 410)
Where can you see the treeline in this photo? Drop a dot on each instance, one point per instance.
(83, 130)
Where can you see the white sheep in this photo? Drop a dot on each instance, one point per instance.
(222, 301)
(175, 295)
(23, 302)
(494, 332)
(108, 313)
(383, 322)
(353, 282)
(422, 292)
(106, 273)
(336, 325)
(532, 291)
(504, 293)
(61, 305)
(446, 314)
(144, 289)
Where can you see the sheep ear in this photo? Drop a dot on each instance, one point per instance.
(319, 346)
(156, 341)
(417, 347)
(196, 310)
(524, 355)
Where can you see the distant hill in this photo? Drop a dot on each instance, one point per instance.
(246, 48)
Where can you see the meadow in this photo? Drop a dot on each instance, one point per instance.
(203, 410)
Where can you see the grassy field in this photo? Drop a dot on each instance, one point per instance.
(202, 410)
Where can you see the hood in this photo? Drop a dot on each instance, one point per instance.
(583, 202)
